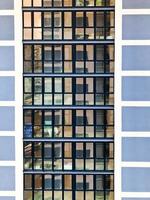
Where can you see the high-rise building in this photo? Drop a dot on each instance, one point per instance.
(62, 135)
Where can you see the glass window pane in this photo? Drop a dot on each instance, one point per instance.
(48, 182)
(67, 19)
(47, 19)
(90, 196)
(27, 3)
(99, 19)
(109, 182)
(90, 2)
(27, 35)
(109, 195)
(58, 84)
(89, 119)
(79, 2)
(37, 3)
(99, 182)
(28, 85)
(48, 85)
(110, 117)
(47, 52)
(79, 150)
(68, 85)
(109, 52)
(27, 52)
(68, 150)
(47, 150)
(47, 3)
(57, 3)
(99, 52)
(89, 182)
(89, 52)
(37, 117)
(27, 117)
(28, 181)
(38, 195)
(89, 19)
(110, 2)
(37, 33)
(68, 52)
(79, 182)
(68, 117)
(67, 67)
(58, 182)
(58, 52)
(79, 19)
(37, 52)
(99, 150)
(27, 150)
(38, 181)
(79, 52)
(68, 33)
(27, 19)
(38, 85)
(67, 182)
(27, 195)
(37, 19)
(99, 117)
(57, 19)
(79, 85)
(68, 3)
(67, 195)
(79, 117)
(100, 85)
(37, 149)
(47, 195)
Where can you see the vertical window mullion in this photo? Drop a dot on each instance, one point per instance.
(42, 23)
(62, 23)
(63, 58)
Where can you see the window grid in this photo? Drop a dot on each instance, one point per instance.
(68, 156)
(66, 150)
(68, 59)
(67, 3)
(75, 124)
(72, 187)
(84, 25)
(68, 91)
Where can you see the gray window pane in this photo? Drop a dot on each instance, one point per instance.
(7, 58)
(7, 114)
(7, 175)
(136, 57)
(136, 27)
(136, 119)
(135, 198)
(7, 148)
(132, 88)
(7, 32)
(135, 179)
(6, 4)
(136, 149)
(7, 198)
(136, 4)
(7, 89)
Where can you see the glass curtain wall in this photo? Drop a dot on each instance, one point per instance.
(68, 99)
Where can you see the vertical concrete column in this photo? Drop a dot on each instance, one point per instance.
(10, 104)
(133, 99)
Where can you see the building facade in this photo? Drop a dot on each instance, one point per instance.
(68, 99)
(59, 60)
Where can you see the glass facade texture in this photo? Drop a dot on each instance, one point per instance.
(68, 103)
